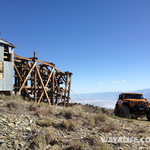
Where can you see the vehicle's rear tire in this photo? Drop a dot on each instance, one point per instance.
(116, 111)
(148, 117)
(125, 112)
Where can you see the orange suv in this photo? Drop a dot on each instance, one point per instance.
(132, 105)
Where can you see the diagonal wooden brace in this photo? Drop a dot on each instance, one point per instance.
(26, 78)
(43, 85)
(46, 84)
(21, 80)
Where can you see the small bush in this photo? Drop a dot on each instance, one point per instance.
(96, 142)
(68, 113)
(70, 125)
(16, 97)
(75, 111)
(37, 141)
(45, 123)
(12, 104)
(51, 139)
(41, 108)
(99, 118)
(109, 127)
(142, 130)
(91, 122)
(77, 145)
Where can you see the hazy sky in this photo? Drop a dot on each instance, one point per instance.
(104, 43)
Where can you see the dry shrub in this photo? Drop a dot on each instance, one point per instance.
(99, 118)
(51, 139)
(70, 125)
(142, 130)
(12, 104)
(95, 142)
(77, 145)
(76, 111)
(45, 123)
(68, 113)
(16, 97)
(41, 108)
(37, 142)
(4, 97)
(96, 119)
(109, 127)
(91, 122)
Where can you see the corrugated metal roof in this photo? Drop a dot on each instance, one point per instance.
(7, 43)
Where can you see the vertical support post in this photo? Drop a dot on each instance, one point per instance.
(32, 83)
(53, 89)
(35, 78)
(66, 88)
(70, 75)
(16, 85)
(22, 75)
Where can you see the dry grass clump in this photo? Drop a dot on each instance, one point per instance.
(109, 127)
(12, 104)
(38, 138)
(75, 145)
(45, 123)
(95, 142)
(70, 125)
(96, 119)
(16, 97)
(37, 142)
(142, 130)
(68, 113)
(76, 111)
(99, 118)
(51, 139)
(41, 108)
(12, 97)
(91, 121)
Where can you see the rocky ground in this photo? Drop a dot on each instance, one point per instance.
(27, 125)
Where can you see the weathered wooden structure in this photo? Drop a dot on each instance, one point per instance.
(37, 80)
(41, 81)
(6, 67)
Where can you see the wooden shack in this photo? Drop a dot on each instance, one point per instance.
(6, 67)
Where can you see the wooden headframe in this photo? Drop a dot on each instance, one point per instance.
(41, 81)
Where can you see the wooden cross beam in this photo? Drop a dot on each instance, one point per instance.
(26, 78)
(43, 85)
(46, 84)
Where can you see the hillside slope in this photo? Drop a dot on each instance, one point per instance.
(27, 125)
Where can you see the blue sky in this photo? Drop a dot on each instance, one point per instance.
(104, 43)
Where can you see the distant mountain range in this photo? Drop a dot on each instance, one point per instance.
(104, 99)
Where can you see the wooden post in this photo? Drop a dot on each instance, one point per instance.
(35, 78)
(69, 90)
(53, 89)
(66, 88)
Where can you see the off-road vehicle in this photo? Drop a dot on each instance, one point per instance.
(132, 105)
